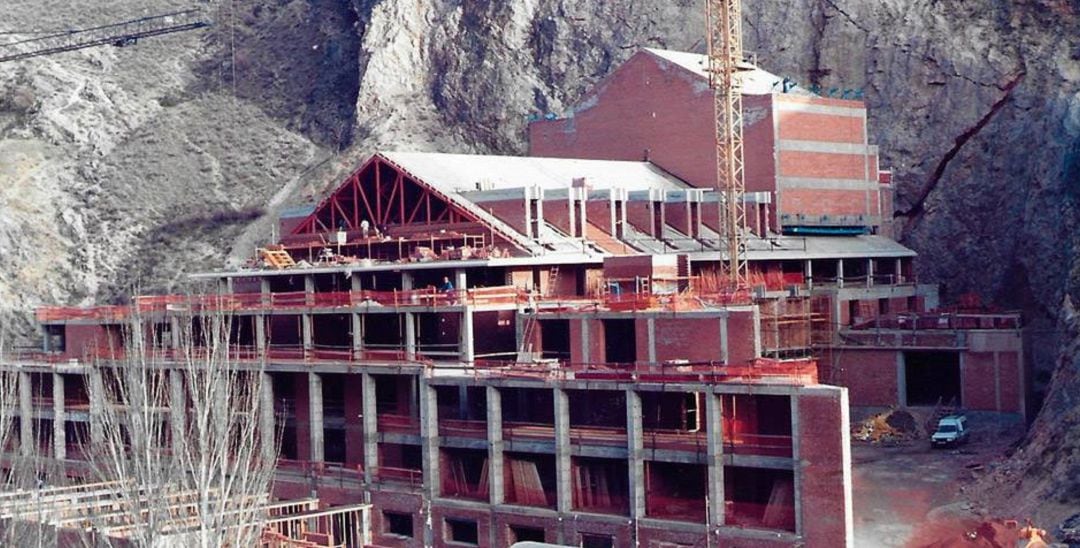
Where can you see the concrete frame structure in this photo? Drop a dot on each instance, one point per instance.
(580, 376)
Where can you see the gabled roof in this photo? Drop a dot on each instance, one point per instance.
(756, 81)
(470, 172)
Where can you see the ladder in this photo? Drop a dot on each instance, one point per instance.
(553, 279)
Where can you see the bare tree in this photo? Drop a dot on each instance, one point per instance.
(176, 430)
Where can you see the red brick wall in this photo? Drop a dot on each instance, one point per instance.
(821, 447)
(794, 163)
(740, 337)
(440, 513)
(811, 126)
(869, 375)
(511, 212)
(978, 390)
(693, 339)
(817, 201)
(645, 104)
(1012, 400)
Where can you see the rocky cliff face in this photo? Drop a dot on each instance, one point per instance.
(132, 166)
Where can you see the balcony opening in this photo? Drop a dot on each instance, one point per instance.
(334, 420)
(757, 424)
(286, 284)
(759, 498)
(555, 339)
(241, 333)
(437, 334)
(383, 333)
(76, 438)
(285, 402)
(600, 485)
(461, 531)
(55, 338)
(521, 533)
(593, 540)
(462, 403)
(285, 335)
(396, 395)
(620, 341)
(676, 491)
(398, 524)
(464, 473)
(529, 479)
(331, 334)
(932, 378)
(598, 409)
(678, 411)
(495, 335)
(400, 463)
(528, 406)
(331, 283)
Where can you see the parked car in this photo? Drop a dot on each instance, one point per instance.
(951, 430)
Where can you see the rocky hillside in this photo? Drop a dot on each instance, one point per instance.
(127, 167)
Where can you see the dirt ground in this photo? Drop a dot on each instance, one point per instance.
(907, 494)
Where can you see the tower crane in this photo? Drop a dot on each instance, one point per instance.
(120, 34)
(724, 21)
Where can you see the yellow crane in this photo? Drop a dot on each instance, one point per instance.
(724, 21)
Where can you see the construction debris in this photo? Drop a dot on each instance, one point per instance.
(890, 427)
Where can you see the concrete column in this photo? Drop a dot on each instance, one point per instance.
(495, 446)
(27, 443)
(357, 335)
(465, 336)
(264, 289)
(869, 272)
(808, 272)
(839, 273)
(429, 437)
(59, 418)
(371, 427)
(714, 431)
(267, 421)
(309, 289)
(174, 333)
(410, 336)
(563, 465)
(586, 350)
(635, 446)
(899, 276)
(306, 332)
(260, 334)
(354, 281)
(315, 417)
(96, 393)
(461, 279)
(406, 280)
(177, 405)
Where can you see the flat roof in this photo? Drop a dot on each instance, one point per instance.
(461, 173)
(755, 80)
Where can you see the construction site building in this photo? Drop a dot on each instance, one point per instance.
(493, 349)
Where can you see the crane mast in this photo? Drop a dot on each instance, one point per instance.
(724, 20)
